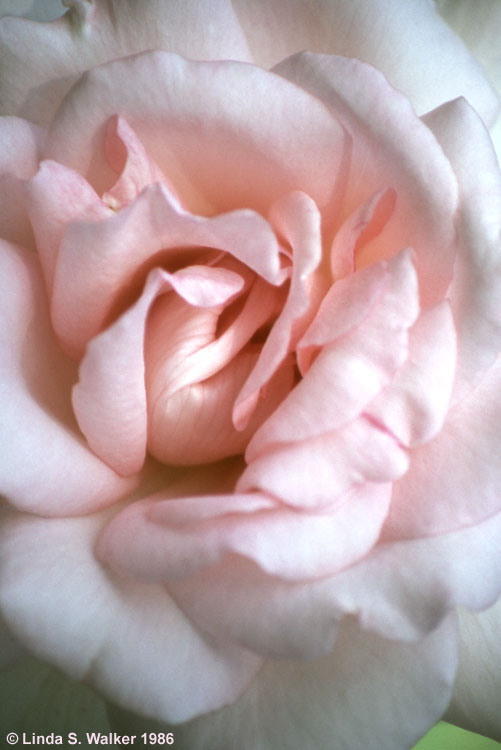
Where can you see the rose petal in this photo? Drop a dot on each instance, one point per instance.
(55, 197)
(414, 406)
(479, 31)
(370, 693)
(162, 539)
(100, 264)
(475, 292)
(227, 134)
(317, 472)
(21, 147)
(399, 591)
(391, 148)
(475, 702)
(90, 33)
(408, 42)
(54, 593)
(297, 219)
(110, 399)
(126, 155)
(455, 479)
(351, 370)
(365, 223)
(46, 467)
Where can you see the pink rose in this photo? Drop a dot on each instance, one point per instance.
(250, 361)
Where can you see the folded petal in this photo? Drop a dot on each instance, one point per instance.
(408, 42)
(400, 591)
(227, 135)
(54, 593)
(110, 398)
(157, 540)
(32, 85)
(297, 219)
(55, 197)
(102, 265)
(351, 369)
(126, 155)
(21, 148)
(414, 406)
(391, 149)
(455, 479)
(318, 471)
(46, 466)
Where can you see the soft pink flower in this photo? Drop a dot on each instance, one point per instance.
(250, 360)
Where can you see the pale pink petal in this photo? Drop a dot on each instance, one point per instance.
(476, 291)
(455, 479)
(126, 155)
(407, 41)
(475, 701)
(479, 27)
(46, 466)
(21, 147)
(414, 406)
(297, 219)
(157, 540)
(391, 148)
(351, 369)
(55, 197)
(369, 693)
(191, 352)
(55, 594)
(228, 135)
(110, 398)
(33, 83)
(194, 424)
(317, 472)
(400, 591)
(101, 264)
(365, 223)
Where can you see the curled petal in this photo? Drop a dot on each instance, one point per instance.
(158, 540)
(110, 398)
(390, 147)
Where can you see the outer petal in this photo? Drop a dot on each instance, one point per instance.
(400, 590)
(391, 149)
(476, 289)
(228, 135)
(370, 693)
(479, 26)
(45, 467)
(475, 702)
(54, 594)
(32, 84)
(407, 41)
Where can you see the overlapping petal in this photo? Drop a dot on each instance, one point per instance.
(122, 628)
(391, 149)
(46, 466)
(94, 31)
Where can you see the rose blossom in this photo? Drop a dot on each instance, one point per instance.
(250, 361)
